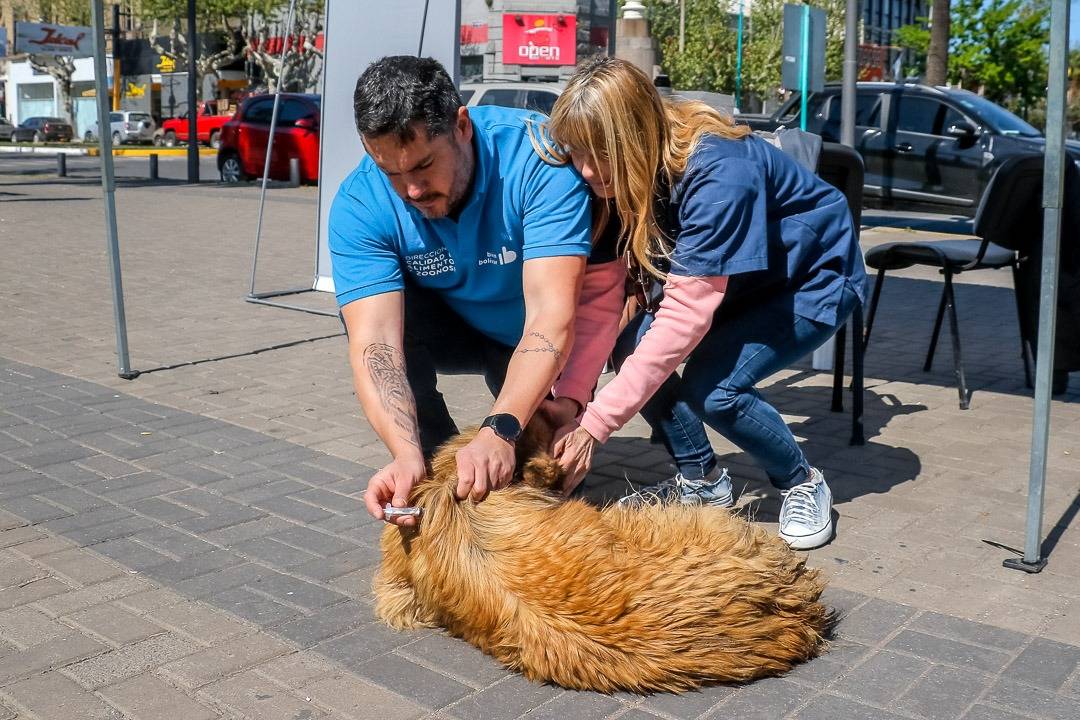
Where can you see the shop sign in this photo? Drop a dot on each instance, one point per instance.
(539, 39)
(47, 39)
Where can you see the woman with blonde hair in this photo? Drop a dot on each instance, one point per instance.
(759, 264)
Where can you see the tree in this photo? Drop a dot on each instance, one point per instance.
(937, 55)
(301, 59)
(708, 62)
(62, 68)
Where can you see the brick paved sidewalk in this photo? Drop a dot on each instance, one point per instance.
(158, 564)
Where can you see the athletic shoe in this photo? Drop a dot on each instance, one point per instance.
(806, 513)
(713, 489)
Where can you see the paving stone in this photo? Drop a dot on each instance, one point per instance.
(19, 535)
(831, 707)
(1029, 700)
(238, 653)
(114, 624)
(275, 488)
(33, 510)
(300, 668)
(25, 626)
(293, 590)
(272, 552)
(131, 554)
(79, 566)
(256, 697)
(128, 661)
(510, 697)
(219, 520)
(349, 697)
(324, 623)
(967, 631)
(108, 531)
(69, 602)
(253, 607)
(314, 541)
(175, 571)
(687, 705)
(48, 655)
(203, 586)
(241, 532)
(576, 705)
(943, 694)
(326, 569)
(54, 697)
(15, 570)
(766, 699)
(950, 652)
(455, 658)
(356, 648)
(292, 509)
(197, 620)
(145, 697)
(881, 678)
(1045, 663)
(43, 546)
(875, 620)
(985, 712)
(420, 685)
(175, 542)
(100, 516)
(32, 591)
(49, 453)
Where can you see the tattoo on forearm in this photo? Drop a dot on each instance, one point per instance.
(386, 366)
(544, 346)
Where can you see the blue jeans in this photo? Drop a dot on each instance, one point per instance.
(717, 387)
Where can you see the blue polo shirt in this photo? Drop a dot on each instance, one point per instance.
(746, 210)
(520, 208)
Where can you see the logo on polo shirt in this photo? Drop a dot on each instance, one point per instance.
(505, 256)
(430, 264)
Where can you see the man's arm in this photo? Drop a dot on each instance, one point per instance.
(375, 326)
(551, 286)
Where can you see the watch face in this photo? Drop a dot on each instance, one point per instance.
(506, 426)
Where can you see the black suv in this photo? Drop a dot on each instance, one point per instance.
(924, 148)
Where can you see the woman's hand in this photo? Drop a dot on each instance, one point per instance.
(560, 411)
(574, 448)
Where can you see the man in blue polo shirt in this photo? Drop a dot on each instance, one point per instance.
(455, 248)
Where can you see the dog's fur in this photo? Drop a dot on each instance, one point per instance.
(661, 598)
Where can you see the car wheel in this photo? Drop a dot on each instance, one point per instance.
(232, 170)
(215, 139)
(37, 138)
(116, 139)
(170, 139)
(88, 137)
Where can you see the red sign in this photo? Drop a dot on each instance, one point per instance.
(539, 39)
(475, 34)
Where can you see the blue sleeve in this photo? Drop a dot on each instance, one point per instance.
(723, 221)
(556, 215)
(363, 252)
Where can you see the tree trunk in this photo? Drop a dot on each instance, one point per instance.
(937, 57)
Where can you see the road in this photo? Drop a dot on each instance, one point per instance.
(82, 166)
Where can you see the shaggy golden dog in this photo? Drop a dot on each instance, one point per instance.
(660, 598)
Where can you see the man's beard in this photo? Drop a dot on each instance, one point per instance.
(459, 188)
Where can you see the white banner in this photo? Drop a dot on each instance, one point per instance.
(47, 39)
(388, 29)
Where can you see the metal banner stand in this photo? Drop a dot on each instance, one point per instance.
(264, 298)
(108, 186)
(1053, 192)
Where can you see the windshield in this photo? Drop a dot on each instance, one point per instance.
(1000, 119)
(138, 117)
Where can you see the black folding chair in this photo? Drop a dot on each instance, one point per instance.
(1006, 223)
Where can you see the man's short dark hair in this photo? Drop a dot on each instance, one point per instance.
(400, 90)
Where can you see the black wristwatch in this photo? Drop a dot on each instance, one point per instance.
(505, 426)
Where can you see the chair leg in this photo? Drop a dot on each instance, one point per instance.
(873, 306)
(858, 348)
(937, 322)
(1025, 342)
(958, 363)
(838, 369)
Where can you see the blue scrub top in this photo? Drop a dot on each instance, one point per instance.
(746, 210)
(520, 208)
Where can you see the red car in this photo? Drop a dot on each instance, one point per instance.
(207, 126)
(243, 139)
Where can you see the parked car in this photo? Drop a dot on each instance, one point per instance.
(43, 129)
(6, 128)
(208, 123)
(242, 152)
(924, 148)
(127, 127)
(530, 96)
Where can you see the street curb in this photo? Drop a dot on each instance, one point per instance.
(43, 150)
(145, 152)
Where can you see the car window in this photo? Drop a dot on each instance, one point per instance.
(138, 117)
(867, 109)
(466, 96)
(954, 116)
(500, 96)
(917, 114)
(259, 111)
(116, 117)
(540, 101)
(291, 111)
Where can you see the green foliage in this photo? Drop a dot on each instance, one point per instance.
(997, 48)
(709, 59)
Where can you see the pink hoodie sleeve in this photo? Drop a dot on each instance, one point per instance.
(596, 326)
(684, 316)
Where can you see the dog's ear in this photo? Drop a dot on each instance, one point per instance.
(535, 439)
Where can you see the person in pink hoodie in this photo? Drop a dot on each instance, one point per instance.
(758, 261)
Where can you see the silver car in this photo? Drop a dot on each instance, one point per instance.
(127, 127)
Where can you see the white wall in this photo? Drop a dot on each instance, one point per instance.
(20, 72)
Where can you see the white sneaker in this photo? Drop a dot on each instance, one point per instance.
(806, 513)
(713, 489)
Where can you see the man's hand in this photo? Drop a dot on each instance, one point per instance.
(574, 448)
(485, 464)
(392, 485)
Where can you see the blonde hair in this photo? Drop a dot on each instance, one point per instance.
(611, 111)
